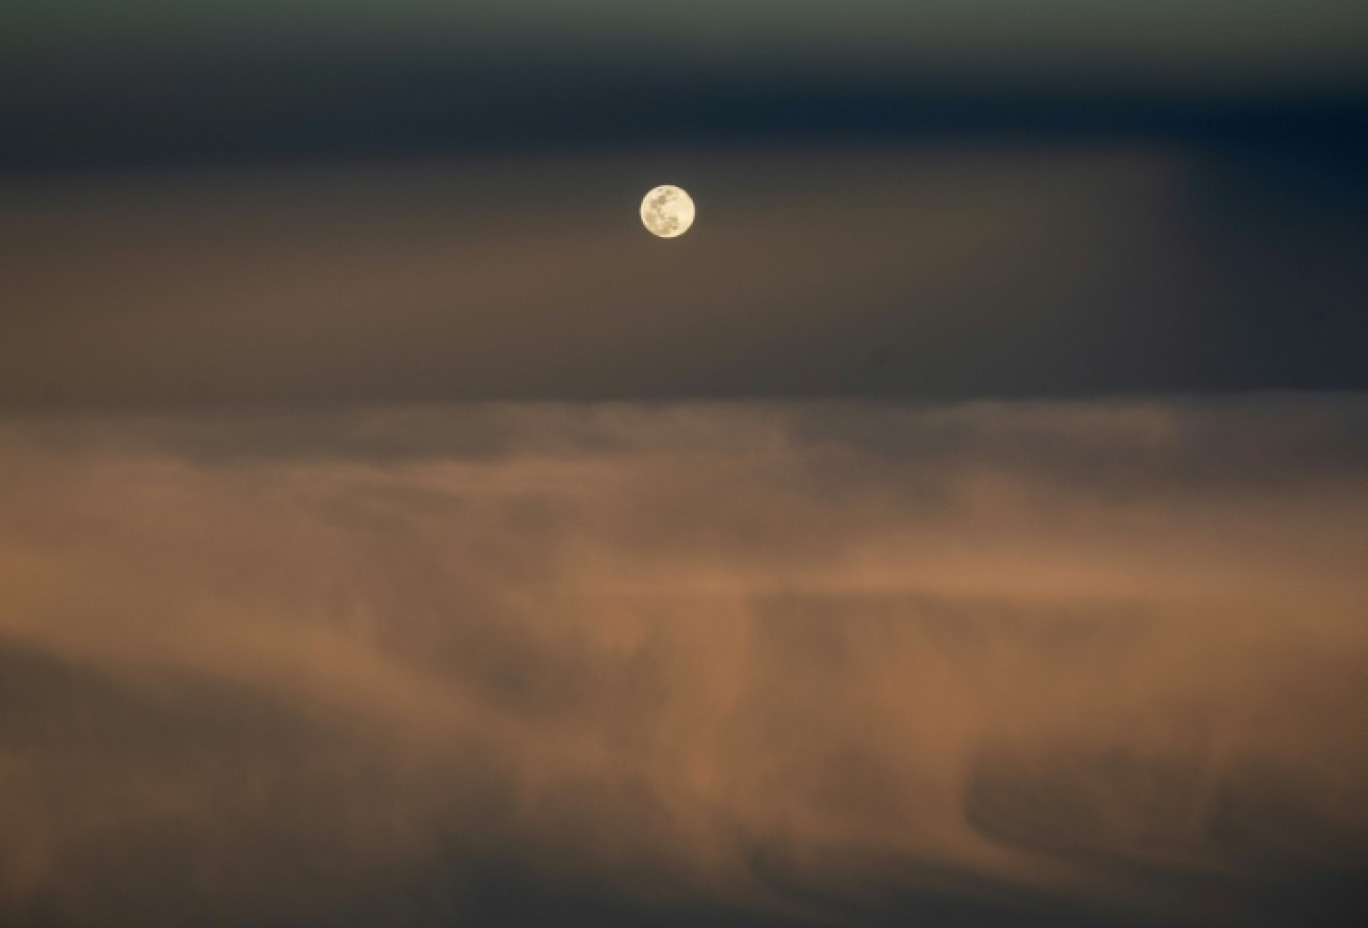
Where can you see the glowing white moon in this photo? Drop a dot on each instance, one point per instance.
(667, 211)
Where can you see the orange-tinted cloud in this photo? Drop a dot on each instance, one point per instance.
(256, 667)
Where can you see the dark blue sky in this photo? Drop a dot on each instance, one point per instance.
(158, 83)
(1072, 199)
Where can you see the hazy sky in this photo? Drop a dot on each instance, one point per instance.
(962, 525)
(921, 271)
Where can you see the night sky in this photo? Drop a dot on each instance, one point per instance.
(965, 523)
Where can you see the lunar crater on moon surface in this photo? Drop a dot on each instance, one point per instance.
(667, 211)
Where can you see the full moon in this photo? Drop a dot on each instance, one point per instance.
(667, 211)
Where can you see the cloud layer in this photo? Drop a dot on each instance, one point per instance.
(784, 657)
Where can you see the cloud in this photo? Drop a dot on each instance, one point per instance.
(776, 656)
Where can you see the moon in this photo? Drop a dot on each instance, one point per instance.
(667, 211)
